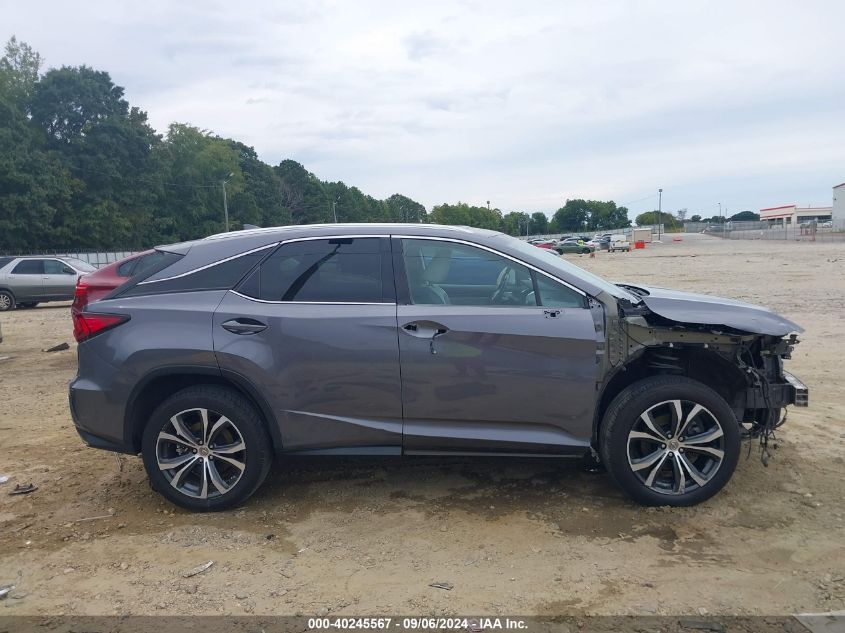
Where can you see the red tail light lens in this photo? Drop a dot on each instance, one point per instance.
(80, 296)
(88, 324)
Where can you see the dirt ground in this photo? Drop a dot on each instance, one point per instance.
(346, 536)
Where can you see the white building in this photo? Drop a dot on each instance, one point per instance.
(839, 203)
(791, 214)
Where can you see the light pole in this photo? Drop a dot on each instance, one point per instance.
(659, 210)
(225, 201)
(334, 210)
(720, 211)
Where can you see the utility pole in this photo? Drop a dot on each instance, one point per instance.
(226, 202)
(488, 205)
(334, 211)
(659, 211)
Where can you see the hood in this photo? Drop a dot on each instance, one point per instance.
(689, 307)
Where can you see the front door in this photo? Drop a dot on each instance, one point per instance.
(59, 281)
(314, 330)
(495, 356)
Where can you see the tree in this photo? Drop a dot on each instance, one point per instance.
(578, 215)
(466, 215)
(402, 209)
(539, 222)
(19, 69)
(745, 216)
(695, 218)
(517, 223)
(651, 218)
(681, 214)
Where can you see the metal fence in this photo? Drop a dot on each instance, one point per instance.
(98, 259)
(755, 230)
(657, 230)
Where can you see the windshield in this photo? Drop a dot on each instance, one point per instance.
(571, 269)
(81, 266)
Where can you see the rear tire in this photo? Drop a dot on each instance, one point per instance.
(206, 448)
(670, 440)
(7, 301)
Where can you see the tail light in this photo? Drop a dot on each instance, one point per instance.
(80, 296)
(89, 324)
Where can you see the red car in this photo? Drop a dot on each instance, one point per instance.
(94, 286)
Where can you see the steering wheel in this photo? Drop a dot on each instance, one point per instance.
(505, 296)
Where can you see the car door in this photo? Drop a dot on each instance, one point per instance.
(25, 280)
(313, 329)
(495, 356)
(59, 280)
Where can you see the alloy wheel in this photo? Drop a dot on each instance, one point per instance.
(5, 301)
(675, 447)
(201, 453)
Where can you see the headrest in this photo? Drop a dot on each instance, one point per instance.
(438, 268)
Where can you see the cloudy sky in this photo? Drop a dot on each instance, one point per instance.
(521, 103)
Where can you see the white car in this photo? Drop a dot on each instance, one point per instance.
(619, 243)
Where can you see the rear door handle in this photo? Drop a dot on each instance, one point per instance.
(244, 326)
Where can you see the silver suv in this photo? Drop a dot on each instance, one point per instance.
(419, 339)
(28, 281)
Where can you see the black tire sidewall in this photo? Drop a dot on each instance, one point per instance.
(242, 414)
(623, 413)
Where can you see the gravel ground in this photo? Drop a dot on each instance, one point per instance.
(364, 536)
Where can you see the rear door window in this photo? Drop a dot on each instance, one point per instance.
(344, 270)
(29, 267)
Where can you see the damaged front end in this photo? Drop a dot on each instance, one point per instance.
(739, 353)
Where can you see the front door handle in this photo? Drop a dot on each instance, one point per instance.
(244, 326)
(424, 329)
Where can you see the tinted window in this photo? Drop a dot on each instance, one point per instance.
(450, 273)
(55, 267)
(29, 267)
(146, 262)
(222, 276)
(555, 295)
(125, 269)
(335, 270)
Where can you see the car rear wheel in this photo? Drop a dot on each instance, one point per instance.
(7, 301)
(670, 440)
(206, 448)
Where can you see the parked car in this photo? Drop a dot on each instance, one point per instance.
(389, 339)
(96, 285)
(618, 243)
(27, 281)
(546, 244)
(574, 245)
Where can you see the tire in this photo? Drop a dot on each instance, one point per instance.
(7, 301)
(648, 469)
(226, 485)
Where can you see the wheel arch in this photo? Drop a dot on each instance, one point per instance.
(162, 383)
(702, 365)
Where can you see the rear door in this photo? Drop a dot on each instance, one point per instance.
(25, 280)
(495, 356)
(314, 330)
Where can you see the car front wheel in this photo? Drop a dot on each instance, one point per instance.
(670, 440)
(206, 448)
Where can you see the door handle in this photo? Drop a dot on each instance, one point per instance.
(244, 326)
(424, 329)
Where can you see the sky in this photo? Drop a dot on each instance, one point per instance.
(524, 104)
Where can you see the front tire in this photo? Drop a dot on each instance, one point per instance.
(206, 448)
(670, 440)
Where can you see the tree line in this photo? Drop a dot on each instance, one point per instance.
(80, 168)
